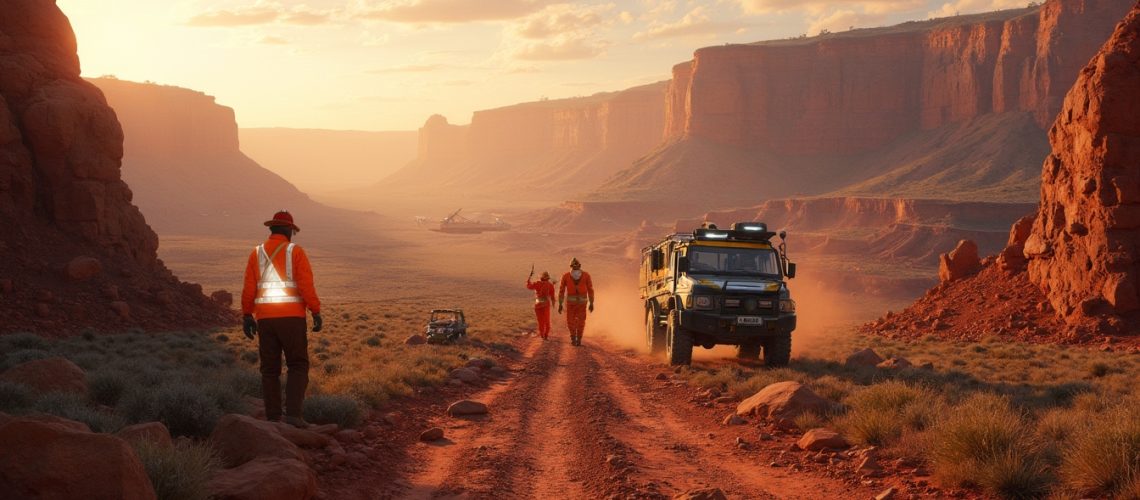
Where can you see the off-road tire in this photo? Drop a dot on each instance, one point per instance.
(778, 349)
(654, 332)
(679, 348)
(750, 350)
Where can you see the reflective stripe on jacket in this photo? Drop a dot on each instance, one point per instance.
(278, 281)
(576, 293)
(543, 291)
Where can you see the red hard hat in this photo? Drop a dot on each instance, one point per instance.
(283, 218)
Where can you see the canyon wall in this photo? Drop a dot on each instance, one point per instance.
(324, 161)
(857, 91)
(1084, 248)
(77, 253)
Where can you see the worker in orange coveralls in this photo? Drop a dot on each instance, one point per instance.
(543, 299)
(278, 289)
(577, 290)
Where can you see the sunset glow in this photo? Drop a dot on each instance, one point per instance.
(388, 65)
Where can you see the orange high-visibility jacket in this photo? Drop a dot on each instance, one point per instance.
(282, 288)
(543, 291)
(576, 293)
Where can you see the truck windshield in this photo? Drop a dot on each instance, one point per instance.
(744, 261)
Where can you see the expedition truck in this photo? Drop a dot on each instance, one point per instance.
(713, 287)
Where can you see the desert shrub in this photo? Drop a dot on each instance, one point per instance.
(13, 358)
(809, 420)
(14, 397)
(223, 338)
(74, 407)
(250, 357)
(984, 442)
(181, 472)
(185, 409)
(17, 341)
(1060, 425)
(242, 382)
(107, 386)
(1105, 458)
(716, 379)
(88, 360)
(373, 341)
(329, 409)
(832, 388)
(879, 414)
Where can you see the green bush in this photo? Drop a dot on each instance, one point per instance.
(879, 414)
(74, 407)
(106, 387)
(984, 442)
(328, 409)
(14, 397)
(1106, 457)
(181, 472)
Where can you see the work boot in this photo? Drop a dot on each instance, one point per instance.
(297, 422)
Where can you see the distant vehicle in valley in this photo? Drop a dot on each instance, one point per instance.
(456, 223)
(713, 287)
(446, 326)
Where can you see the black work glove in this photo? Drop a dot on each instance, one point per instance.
(559, 308)
(591, 307)
(317, 322)
(248, 326)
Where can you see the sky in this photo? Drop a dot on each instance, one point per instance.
(390, 64)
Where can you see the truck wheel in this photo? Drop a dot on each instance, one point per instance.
(750, 350)
(654, 332)
(778, 349)
(680, 344)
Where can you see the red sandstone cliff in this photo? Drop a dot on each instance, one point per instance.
(77, 253)
(1085, 245)
(181, 158)
(534, 150)
(908, 111)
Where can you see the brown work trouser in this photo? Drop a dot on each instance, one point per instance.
(288, 335)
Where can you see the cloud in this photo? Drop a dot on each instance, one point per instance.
(230, 18)
(695, 23)
(273, 40)
(973, 6)
(409, 68)
(819, 7)
(559, 19)
(450, 11)
(304, 18)
(560, 49)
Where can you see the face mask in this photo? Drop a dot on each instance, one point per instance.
(576, 274)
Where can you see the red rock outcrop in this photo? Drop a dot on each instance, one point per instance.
(960, 262)
(61, 192)
(1084, 248)
(856, 91)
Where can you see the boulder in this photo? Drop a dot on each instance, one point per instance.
(415, 340)
(48, 375)
(222, 298)
(83, 268)
(702, 494)
(895, 364)
(818, 439)
(866, 357)
(466, 407)
(239, 439)
(155, 432)
(782, 402)
(349, 436)
(51, 461)
(305, 438)
(467, 375)
(1012, 257)
(60, 421)
(264, 478)
(734, 419)
(480, 363)
(961, 262)
(433, 434)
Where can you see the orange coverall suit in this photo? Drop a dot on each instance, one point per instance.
(278, 288)
(577, 296)
(543, 298)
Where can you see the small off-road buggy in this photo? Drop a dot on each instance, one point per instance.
(446, 326)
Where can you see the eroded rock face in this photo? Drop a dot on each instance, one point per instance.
(1084, 246)
(960, 262)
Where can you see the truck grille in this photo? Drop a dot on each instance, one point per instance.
(750, 304)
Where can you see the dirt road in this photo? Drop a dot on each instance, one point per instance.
(596, 422)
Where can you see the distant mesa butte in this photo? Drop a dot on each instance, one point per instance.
(77, 252)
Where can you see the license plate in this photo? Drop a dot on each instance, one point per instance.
(749, 320)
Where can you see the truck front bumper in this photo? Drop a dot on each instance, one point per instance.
(725, 329)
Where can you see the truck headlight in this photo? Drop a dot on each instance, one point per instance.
(703, 302)
(787, 306)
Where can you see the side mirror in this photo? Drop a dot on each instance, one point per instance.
(791, 271)
(683, 264)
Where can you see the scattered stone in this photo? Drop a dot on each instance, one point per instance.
(415, 340)
(466, 375)
(734, 419)
(122, 309)
(155, 432)
(895, 364)
(702, 494)
(326, 429)
(239, 439)
(726, 400)
(222, 298)
(764, 436)
(350, 436)
(265, 477)
(887, 494)
(433, 434)
(466, 407)
(782, 402)
(818, 439)
(305, 438)
(661, 376)
(869, 464)
(48, 375)
(47, 460)
(866, 357)
(961, 262)
(83, 268)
